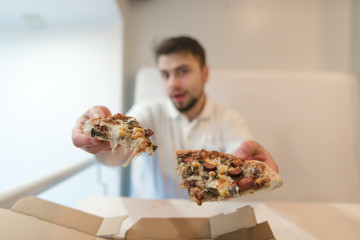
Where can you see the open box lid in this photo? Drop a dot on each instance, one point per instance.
(32, 215)
(34, 218)
(224, 223)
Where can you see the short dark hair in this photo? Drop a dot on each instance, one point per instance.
(181, 44)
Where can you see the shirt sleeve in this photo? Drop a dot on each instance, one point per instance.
(235, 130)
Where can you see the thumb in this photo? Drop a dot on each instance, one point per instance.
(246, 149)
(98, 111)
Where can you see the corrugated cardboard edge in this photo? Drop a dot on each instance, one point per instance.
(224, 223)
(68, 217)
(110, 226)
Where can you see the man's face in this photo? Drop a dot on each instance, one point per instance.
(183, 79)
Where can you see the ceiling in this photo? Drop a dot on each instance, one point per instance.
(22, 13)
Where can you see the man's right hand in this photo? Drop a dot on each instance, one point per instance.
(86, 142)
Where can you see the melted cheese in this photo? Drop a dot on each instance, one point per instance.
(117, 138)
(114, 136)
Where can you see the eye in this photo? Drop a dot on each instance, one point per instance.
(183, 71)
(164, 75)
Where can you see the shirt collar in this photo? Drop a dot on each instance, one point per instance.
(208, 109)
(173, 113)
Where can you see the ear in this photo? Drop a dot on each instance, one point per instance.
(206, 73)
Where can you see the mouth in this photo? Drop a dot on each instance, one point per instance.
(178, 97)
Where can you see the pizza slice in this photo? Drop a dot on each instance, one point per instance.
(122, 130)
(214, 176)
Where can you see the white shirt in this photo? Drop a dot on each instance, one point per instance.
(216, 128)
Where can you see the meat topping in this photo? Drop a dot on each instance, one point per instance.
(235, 173)
(209, 166)
(245, 183)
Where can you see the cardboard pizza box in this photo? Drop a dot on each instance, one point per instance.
(34, 218)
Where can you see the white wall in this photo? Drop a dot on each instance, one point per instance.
(355, 40)
(49, 76)
(244, 34)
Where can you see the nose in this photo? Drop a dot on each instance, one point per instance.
(174, 81)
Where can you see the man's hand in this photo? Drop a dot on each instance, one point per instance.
(253, 150)
(86, 142)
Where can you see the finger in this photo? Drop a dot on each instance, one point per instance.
(272, 164)
(253, 150)
(81, 140)
(98, 111)
(258, 157)
(103, 146)
(247, 149)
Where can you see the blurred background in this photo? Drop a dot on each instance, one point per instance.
(58, 58)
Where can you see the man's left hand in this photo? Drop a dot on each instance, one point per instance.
(251, 150)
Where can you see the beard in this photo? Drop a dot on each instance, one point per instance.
(181, 107)
(184, 108)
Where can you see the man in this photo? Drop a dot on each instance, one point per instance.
(187, 119)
